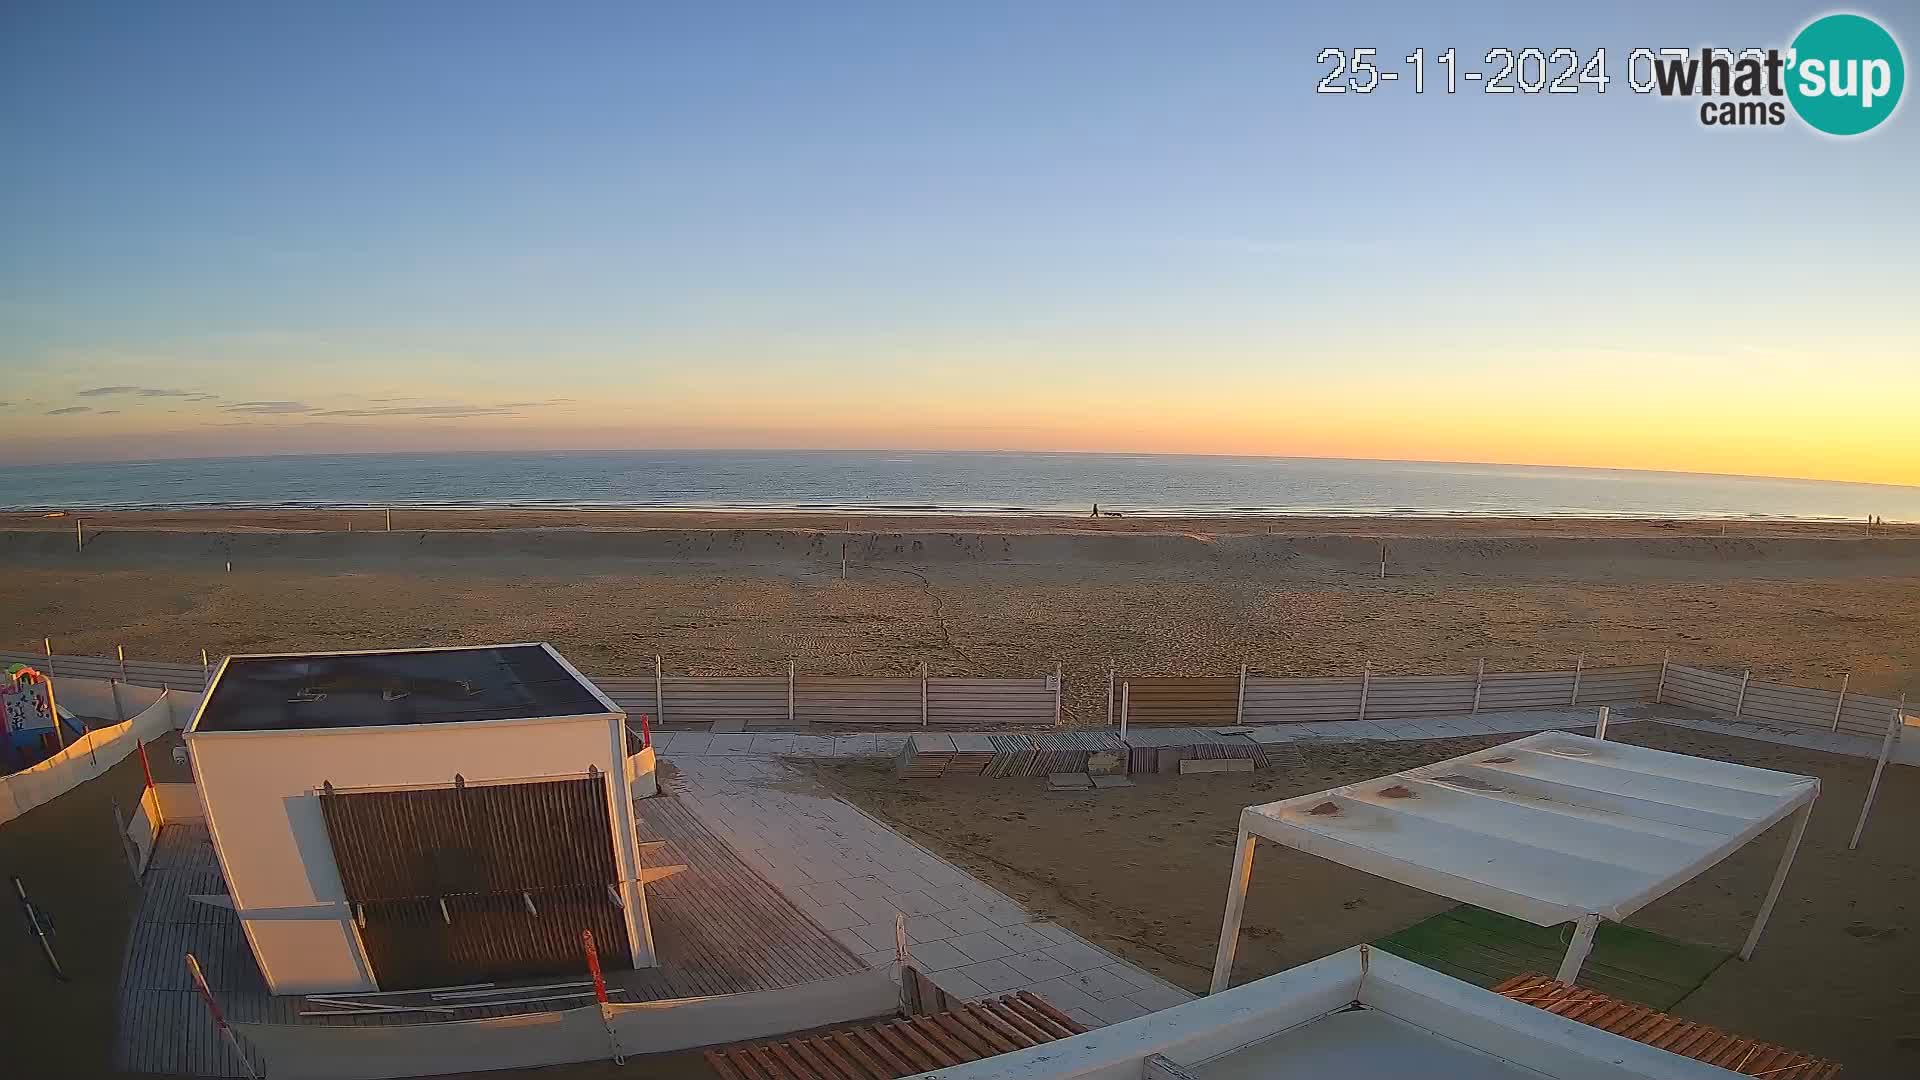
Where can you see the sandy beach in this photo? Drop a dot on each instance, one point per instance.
(980, 597)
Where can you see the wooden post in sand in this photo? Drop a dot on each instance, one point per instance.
(48, 642)
(659, 690)
(79, 537)
(1660, 692)
(1873, 786)
(120, 651)
(1740, 704)
(389, 519)
(1842, 703)
(1383, 562)
(1479, 680)
(1240, 705)
(1059, 686)
(924, 719)
(1366, 683)
(1110, 674)
(1579, 665)
(790, 667)
(1123, 710)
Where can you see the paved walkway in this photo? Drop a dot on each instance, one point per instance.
(852, 874)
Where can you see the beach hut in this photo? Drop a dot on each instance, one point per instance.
(428, 817)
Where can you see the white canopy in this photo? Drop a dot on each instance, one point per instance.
(1550, 828)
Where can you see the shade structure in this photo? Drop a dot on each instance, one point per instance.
(1551, 828)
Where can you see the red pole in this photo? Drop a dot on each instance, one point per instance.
(646, 733)
(145, 766)
(219, 1021)
(593, 966)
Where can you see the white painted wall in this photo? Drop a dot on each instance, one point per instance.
(262, 797)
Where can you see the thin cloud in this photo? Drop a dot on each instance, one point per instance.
(70, 410)
(443, 411)
(269, 408)
(140, 391)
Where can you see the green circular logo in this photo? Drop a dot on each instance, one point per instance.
(1845, 74)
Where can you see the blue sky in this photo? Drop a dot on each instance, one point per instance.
(469, 226)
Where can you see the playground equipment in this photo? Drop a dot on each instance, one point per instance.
(28, 708)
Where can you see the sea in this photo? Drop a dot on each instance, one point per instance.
(939, 483)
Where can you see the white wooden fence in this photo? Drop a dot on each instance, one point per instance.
(1743, 697)
(1262, 699)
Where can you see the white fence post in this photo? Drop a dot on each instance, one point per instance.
(1479, 678)
(1383, 561)
(389, 519)
(1600, 729)
(1741, 703)
(1660, 692)
(1240, 705)
(1059, 687)
(120, 653)
(206, 665)
(1110, 671)
(1842, 703)
(923, 694)
(659, 686)
(1873, 786)
(1366, 682)
(790, 665)
(48, 642)
(1123, 709)
(1579, 664)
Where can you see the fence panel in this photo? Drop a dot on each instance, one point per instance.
(1710, 690)
(752, 701)
(634, 696)
(976, 702)
(1396, 697)
(1172, 699)
(1283, 701)
(847, 699)
(139, 672)
(1526, 690)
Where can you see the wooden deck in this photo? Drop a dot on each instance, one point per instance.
(719, 928)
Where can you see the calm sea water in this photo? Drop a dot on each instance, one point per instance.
(938, 482)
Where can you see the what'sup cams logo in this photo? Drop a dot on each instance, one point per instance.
(1842, 75)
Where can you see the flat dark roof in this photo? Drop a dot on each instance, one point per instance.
(437, 686)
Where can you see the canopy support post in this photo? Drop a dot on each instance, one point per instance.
(1236, 905)
(1779, 879)
(1583, 930)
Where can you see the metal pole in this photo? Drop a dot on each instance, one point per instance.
(1741, 704)
(1578, 666)
(1583, 930)
(1237, 882)
(219, 1021)
(1366, 683)
(1240, 706)
(1873, 786)
(1779, 879)
(1479, 679)
(1842, 703)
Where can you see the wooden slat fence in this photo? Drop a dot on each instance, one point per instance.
(1177, 699)
(975, 703)
(1778, 703)
(850, 699)
(1269, 700)
(752, 702)
(139, 672)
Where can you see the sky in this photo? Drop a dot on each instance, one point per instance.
(265, 228)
